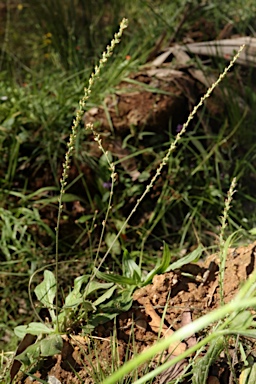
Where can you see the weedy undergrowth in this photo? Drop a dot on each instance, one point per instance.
(233, 320)
(79, 307)
(47, 291)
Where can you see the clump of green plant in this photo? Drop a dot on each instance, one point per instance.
(116, 296)
(79, 305)
(46, 292)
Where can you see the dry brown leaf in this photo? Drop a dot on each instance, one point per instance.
(157, 326)
(25, 342)
(172, 372)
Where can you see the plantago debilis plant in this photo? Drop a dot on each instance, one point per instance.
(47, 290)
(70, 147)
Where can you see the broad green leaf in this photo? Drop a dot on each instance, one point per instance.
(252, 231)
(104, 160)
(33, 329)
(120, 303)
(74, 298)
(51, 345)
(145, 175)
(110, 309)
(39, 328)
(84, 219)
(125, 301)
(30, 355)
(98, 319)
(79, 281)
(46, 291)
(130, 268)
(115, 248)
(122, 280)
(8, 123)
(119, 225)
(105, 296)
(191, 257)
(88, 306)
(163, 267)
(66, 311)
(105, 197)
(48, 346)
(95, 286)
(63, 317)
(21, 331)
(166, 259)
(67, 197)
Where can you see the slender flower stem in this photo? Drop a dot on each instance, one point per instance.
(72, 138)
(227, 207)
(223, 248)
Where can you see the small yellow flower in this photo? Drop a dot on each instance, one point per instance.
(20, 7)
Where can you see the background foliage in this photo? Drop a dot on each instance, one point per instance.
(48, 50)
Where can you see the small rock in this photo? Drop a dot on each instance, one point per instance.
(53, 380)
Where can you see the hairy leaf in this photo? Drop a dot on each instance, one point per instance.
(46, 291)
(163, 267)
(51, 345)
(32, 329)
(191, 257)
